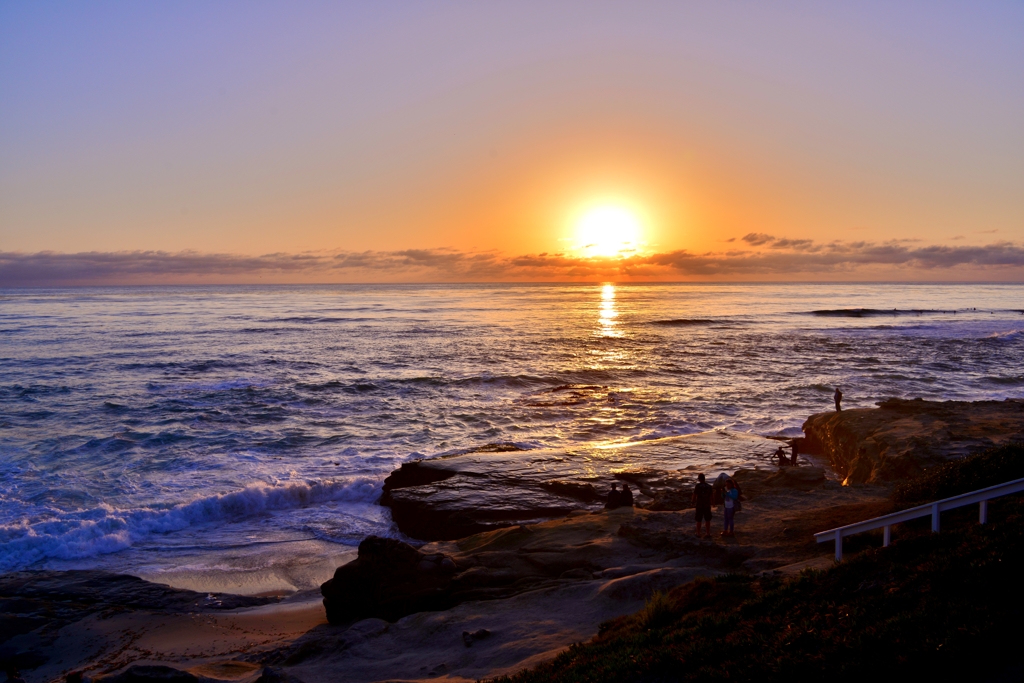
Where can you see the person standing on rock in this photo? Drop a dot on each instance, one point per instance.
(838, 397)
(626, 497)
(701, 500)
(731, 498)
(614, 498)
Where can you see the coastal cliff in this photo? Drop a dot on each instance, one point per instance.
(901, 438)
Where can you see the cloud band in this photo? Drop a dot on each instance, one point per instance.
(771, 259)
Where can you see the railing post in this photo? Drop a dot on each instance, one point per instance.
(885, 536)
(839, 544)
(983, 512)
(935, 518)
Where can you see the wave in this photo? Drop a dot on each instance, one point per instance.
(106, 529)
(1006, 336)
(319, 319)
(497, 447)
(684, 322)
(873, 312)
(227, 385)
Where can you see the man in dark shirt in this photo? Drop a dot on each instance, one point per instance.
(701, 500)
(838, 398)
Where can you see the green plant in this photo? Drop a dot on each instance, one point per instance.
(657, 612)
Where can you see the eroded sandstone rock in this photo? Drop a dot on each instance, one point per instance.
(387, 580)
(900, 438)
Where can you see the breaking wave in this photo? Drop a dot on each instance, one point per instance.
(107, 529)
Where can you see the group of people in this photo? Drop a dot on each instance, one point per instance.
(726, 492)
(619, 499)
(780, 453)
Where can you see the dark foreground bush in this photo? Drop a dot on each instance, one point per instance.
(942, 606)
(991, 467)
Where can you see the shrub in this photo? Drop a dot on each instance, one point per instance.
(988, 468)
(942, 606)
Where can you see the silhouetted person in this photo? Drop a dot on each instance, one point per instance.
(796, 451)
(731, 501)
(614, 498)
(626, 497)
(701, 500)
(780, 453)
(838, 396)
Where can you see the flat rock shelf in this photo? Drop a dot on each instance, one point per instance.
(454, 496)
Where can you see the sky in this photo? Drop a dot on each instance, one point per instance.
(178, 142)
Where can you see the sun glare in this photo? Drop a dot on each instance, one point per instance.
(608, 231)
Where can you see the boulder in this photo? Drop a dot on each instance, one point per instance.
(388, 579)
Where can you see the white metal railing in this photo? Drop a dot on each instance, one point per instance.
(981, 496)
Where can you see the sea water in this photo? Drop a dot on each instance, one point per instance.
(238, 437)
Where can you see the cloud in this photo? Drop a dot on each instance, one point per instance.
(843, 256)
(758, 238)
(779, 259)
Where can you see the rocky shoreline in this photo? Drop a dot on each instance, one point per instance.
(451, 497)
(901, 438)
(516, 557)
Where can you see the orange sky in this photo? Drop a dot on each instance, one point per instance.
(345, 128)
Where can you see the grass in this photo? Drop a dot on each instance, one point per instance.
(931, 605)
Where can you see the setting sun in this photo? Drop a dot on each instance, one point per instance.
(608, 231)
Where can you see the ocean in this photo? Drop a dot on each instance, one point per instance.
(236, 438)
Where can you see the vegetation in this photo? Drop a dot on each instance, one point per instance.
(939, 605)
(991, 467)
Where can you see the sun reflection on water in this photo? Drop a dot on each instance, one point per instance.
(608, 314)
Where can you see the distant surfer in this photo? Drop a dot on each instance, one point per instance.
(838, 396)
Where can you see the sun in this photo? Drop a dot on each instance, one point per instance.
(608, 231)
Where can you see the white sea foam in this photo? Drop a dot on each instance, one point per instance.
(219, 393)
(107, 529)
(1006, 336)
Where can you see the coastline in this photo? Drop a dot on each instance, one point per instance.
(623, 556)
